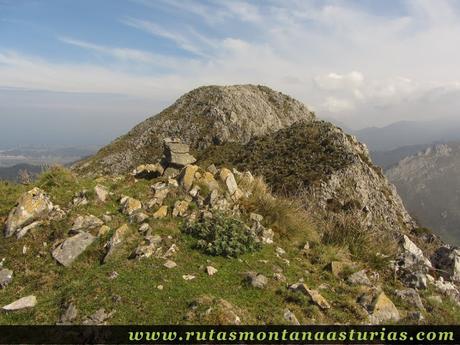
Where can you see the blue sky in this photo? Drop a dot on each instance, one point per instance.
(83, 72)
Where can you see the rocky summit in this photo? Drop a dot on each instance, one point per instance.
(233, 206)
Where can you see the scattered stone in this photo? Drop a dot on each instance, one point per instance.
(138, 217)
(314, 295)
(24, 249)
(25, 230)
(188, 277)
(359, 278)
(148, 171)
(6, 277)
(69, 314)
(208, 179)
(256, 217)
(161, 191)
(210, 270)
(256, 280)
(187, 176)
(336, 267)
(170, 264)
(212, 198)
(411, 296)
(411, 248)
(447, 259)
(80, 199)
(145, 228)
(31, 206)
(383, 310)
(130, 205)
(114, 241)
(415, 316)
(107, 218)
(449, 289)
(194, 192)
(173, 183)
(162, 212)
(22, 303)
(101, 193)
(279, 277)
(71, 248)
(227, 177)
(84, 223)
(290, 317)
(180, 208)
(113, 275)
(171, 172)
(177, 154)
(280, 251)
(103, 230)
(160, 287)
(98, 318)
(212, 169)
(173, 249)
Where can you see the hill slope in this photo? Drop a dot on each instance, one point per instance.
(204, 116)
(429, 184)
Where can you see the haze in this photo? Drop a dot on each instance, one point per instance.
(84, 72)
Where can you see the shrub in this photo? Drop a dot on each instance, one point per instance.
(222, 236)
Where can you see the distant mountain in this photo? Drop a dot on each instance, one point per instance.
(11, 173)
(408, 133)
(387, 159)
(429, 184)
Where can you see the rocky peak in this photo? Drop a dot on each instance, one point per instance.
(202, 117)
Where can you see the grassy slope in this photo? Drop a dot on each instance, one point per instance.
(87, 283)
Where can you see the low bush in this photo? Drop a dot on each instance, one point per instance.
(221, 236)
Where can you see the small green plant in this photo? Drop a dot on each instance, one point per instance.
(222, 236)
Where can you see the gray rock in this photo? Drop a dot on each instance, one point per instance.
(6, 277)
(211, 270)
(447, 260)
(101, 193)
(69, 314)
(359, 278)
(212, 169)
(31, 206)
(177, 154)
(71, 248)
(115, 241)
(290, 317)
(84, 223)
(138, 217)
(256, 280)
(100, 317)
(22, 303)
(411, 296)
(170, 264)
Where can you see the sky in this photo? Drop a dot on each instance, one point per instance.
(84, 72)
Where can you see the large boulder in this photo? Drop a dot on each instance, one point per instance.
(71, 248)
(31, 206)
(447, 260)
(177, 154)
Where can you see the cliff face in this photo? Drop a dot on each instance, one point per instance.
(204, 116)
(429, 183)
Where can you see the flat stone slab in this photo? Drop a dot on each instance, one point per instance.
(22, 303)
(71, 248)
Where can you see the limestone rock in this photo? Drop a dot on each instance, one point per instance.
(69, 314)
(71, 248)
(290, 317)
(85, 223)
(162, 212)
(103, 230)
(80, 199)
(130, 205)
(227, 177)
(383, 310)
(314, 295)
(138, 217)
(25, 230)
(22, 303)
(188, 277)
(447, 260)
(115, 241)
(337, 267)
(180, 208)
(212, 169)
(151, 247)
(148, 171)
(101, 193)
(256, 280)
(170, 264)
(6, 277)
(100, 317)
(187, 176)
(211, 270)
(30, 207)
(359, 278)
(177, 154)
(411, 296)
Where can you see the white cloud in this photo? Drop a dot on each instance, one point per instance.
(364, 68)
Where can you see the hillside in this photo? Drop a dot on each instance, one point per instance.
(232, 206)
(12, 173)
(204, 116)
(429, 183)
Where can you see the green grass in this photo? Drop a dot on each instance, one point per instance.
(134, 296)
